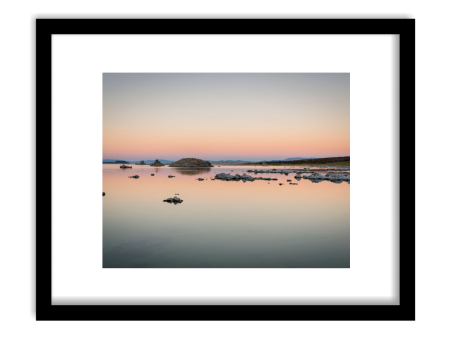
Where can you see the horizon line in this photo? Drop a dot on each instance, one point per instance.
(265, 159)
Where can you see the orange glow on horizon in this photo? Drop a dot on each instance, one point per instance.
(225, 116)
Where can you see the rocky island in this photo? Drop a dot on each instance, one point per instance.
(191, 162)
(157, 164)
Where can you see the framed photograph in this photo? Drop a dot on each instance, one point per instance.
(225, 169)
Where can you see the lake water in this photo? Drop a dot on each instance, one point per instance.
(222, 224)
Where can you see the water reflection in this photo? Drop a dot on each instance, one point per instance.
(222, 224)
(192, 171)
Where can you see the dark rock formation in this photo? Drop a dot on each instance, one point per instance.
(157, 164)
(191, 162)
(173, 200)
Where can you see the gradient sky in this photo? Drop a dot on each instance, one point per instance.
(225, 116)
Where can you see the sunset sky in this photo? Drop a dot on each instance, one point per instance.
(225, 116)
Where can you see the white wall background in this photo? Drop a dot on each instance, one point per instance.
(78, 62)
(17, 101)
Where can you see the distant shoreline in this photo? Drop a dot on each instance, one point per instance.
(325, 161)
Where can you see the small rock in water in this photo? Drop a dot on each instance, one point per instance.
(170, 176)
(135, 176)
(103, 194)
(173, 200)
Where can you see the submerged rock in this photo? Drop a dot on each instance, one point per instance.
(191, 162)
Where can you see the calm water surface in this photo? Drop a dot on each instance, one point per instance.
(222, 224)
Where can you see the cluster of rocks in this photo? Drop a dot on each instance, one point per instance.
(288, 171)
(270, 171)
(333, 177)
(173, 200)
(244, 177)
(280, 171)
(191, 162)
(314, 177)
(157, 164)
(123, 166)
(344, 167)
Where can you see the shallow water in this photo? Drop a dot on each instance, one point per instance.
(222, 224)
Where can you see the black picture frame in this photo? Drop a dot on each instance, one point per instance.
(45, 28)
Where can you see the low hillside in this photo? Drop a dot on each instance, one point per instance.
(343, 160)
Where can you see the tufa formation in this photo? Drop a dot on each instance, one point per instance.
(191, 162)
(157, 164)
